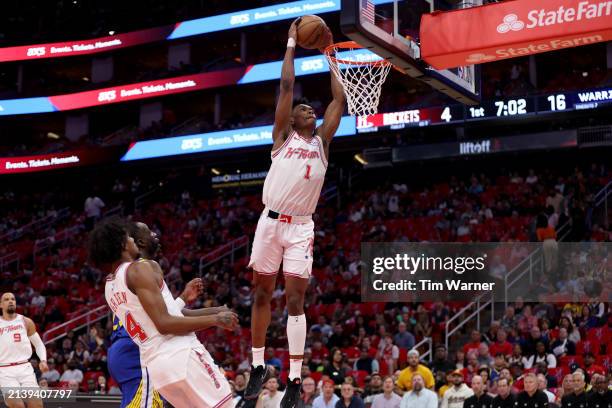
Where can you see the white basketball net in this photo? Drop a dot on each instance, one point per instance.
(361, 77)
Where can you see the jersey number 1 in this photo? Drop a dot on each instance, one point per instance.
(307, 175)
(134, 329)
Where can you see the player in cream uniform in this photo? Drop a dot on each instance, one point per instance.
(181, 369)
(17, 335)
(285, 231)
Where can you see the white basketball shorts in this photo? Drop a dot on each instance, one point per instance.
(203, 386)
(277, 241)
(21, 375)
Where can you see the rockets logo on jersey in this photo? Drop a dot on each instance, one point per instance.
(301, 153)
(12, 328)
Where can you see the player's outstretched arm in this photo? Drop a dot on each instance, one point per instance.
(38, 344)
(205, 311)
(142, 280)
(333, 113)
(282, 116)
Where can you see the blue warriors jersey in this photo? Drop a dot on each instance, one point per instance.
(124, 366)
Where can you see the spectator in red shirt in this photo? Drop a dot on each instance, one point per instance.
(474, 343)
(590, 366)
(502, 345)
(320, 353)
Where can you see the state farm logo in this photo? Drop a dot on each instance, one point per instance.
(107, 96)
(511, 23)
(478, 58)
(36, 51)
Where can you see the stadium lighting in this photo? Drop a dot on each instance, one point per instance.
(214, 171)
(359, 158)
(52, 135)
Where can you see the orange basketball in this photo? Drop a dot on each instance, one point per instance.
(313, 33)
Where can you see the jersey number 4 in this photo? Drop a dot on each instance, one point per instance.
(134, 329)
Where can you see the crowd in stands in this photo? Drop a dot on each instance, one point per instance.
(348, 340)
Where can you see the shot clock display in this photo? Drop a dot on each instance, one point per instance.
(488, 110)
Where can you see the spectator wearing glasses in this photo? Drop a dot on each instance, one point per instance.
(309, 393)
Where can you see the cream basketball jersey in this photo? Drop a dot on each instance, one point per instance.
(15, 345)
(137, 322)
(293, 184)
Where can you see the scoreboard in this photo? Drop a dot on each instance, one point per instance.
(494, 109)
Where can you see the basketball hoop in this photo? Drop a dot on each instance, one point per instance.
(361, 75)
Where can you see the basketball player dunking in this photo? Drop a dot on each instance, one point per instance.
(285, 231)
(17, 335)
(181, 369)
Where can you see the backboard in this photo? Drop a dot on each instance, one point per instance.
(390, 28)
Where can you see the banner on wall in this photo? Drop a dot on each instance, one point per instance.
(512, 29)
(189, 28)
(44, 162)
(151, 89)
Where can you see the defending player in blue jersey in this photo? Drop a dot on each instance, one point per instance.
(123, 354)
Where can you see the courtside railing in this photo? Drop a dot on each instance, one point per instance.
(469, 312)
(227, 250)
(428, 355)
(48, 242)
(35, 225)
(601, 200)
(77, 323)
(9, 259)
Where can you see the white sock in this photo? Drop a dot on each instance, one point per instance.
(258, 356)
(296, 335)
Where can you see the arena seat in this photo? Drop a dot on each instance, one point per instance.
(599, 334)
(585, 346)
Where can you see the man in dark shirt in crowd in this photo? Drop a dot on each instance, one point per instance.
(600, 396)
(480, 399)
(403, 338)
(349, 399)
(578, 399)
(505, 398)
(440, 361)
(365, 362)
(531, 397)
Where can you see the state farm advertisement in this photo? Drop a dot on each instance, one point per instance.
(83, 47)
(512, 29)
(148, 89)
(30, 164)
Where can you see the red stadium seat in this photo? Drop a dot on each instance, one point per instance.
(403, 357)
(558, 373)
(566, 361)
(316, 376)
(359, 376)
(587, 346)
(600, 334)
(605, 361)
